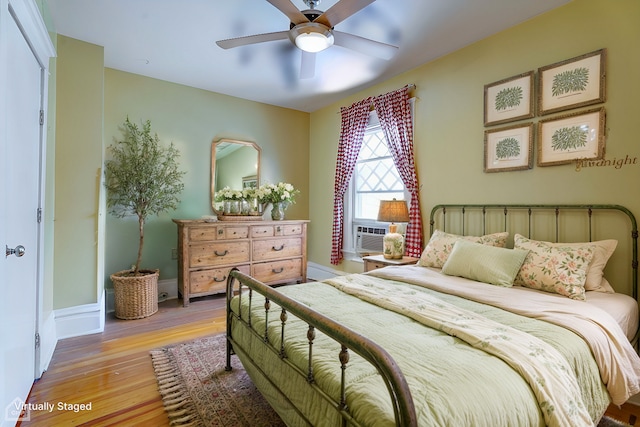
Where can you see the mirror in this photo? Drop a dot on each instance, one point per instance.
(234, 164)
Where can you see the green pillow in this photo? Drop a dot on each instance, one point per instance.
(488, 264)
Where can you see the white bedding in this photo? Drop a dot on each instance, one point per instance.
(619, 364)
(621, 307)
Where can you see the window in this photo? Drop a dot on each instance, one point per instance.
(375, 178)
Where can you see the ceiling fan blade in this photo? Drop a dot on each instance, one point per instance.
(307, 65)
(289, 9)
(366, 46)
(341, 11)
(258, 38)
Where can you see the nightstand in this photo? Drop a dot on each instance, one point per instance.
(378, 261)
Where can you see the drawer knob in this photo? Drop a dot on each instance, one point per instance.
(221, 254)
(280, 270)
(215, 279)
(278, 249)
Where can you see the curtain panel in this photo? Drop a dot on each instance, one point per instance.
(354, 123)
(394, 112)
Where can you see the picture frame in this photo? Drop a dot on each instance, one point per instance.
(571, 137)
(573, 83)
(250, 181)
(509, 99)
(509, 148)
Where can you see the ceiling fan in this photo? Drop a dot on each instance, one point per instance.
(312, 31)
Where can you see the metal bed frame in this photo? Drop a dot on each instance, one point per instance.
(244, 286)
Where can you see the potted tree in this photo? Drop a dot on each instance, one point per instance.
(142, 179)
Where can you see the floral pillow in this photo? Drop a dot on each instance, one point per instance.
(551, 268)
(602, 251)
(439, 248)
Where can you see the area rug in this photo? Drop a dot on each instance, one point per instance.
(197, 391)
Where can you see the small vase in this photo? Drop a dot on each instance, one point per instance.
(245, 207)
(277, 211)
(255, 207)
(232, 207)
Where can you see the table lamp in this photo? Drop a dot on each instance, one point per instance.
(393, 242)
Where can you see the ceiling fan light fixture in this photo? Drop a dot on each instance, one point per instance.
(311, 37)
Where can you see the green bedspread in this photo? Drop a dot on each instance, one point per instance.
(452, 383)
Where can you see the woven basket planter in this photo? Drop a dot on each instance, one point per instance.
(136, 297)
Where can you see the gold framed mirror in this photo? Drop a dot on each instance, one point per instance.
(234, 164)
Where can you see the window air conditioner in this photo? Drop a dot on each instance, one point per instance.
(369, 239)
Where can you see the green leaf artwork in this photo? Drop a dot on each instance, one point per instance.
(570, 81)
(507, 148)
(508, 98)
(569, 138)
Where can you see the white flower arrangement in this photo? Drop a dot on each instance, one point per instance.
(274, 193)
(228, 194)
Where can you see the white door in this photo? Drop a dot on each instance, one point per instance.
(21, 87)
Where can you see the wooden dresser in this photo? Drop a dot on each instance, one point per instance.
(273, 252)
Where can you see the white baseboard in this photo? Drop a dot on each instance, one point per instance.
(634, 400)
(80, 320)
(169, 287)
(320, 272)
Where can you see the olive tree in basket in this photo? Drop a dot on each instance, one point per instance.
(142, 179)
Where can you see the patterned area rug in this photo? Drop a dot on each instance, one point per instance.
(610, 422)
(197, 391)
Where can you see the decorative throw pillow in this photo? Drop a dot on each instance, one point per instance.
(557, 269)
(488, 264)
(437, 251)
(602, 251)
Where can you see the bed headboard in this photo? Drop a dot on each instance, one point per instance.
(555, 223)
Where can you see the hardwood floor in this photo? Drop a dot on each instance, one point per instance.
(112, 371)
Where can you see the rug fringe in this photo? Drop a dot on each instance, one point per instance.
(174, 393)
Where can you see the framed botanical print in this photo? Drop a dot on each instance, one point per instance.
(576, 136)
(573, 83)
(508, 148)
(509, 99)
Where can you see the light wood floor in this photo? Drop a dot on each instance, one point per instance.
(112, 371)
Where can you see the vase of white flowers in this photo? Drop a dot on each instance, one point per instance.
(280, 195)
(231, 201)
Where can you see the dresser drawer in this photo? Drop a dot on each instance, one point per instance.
(291, 230)
(262, 231)
(213, 280)
(269, 249)
(218, 233)
(278, 271)
(219, 253)
(202, 234)
(233, 233)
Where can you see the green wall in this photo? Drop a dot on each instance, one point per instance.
(192, 119)
(449, 129)
(449, 135)
(78, 165)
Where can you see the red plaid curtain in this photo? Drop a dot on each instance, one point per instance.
(394, 113)
(354, 123)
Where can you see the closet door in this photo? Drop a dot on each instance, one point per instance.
(21, 158)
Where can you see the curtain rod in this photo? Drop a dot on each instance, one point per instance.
(409, 86)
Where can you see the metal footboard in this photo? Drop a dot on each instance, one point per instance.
(261, 295)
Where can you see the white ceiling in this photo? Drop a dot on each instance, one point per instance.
(175, 41)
